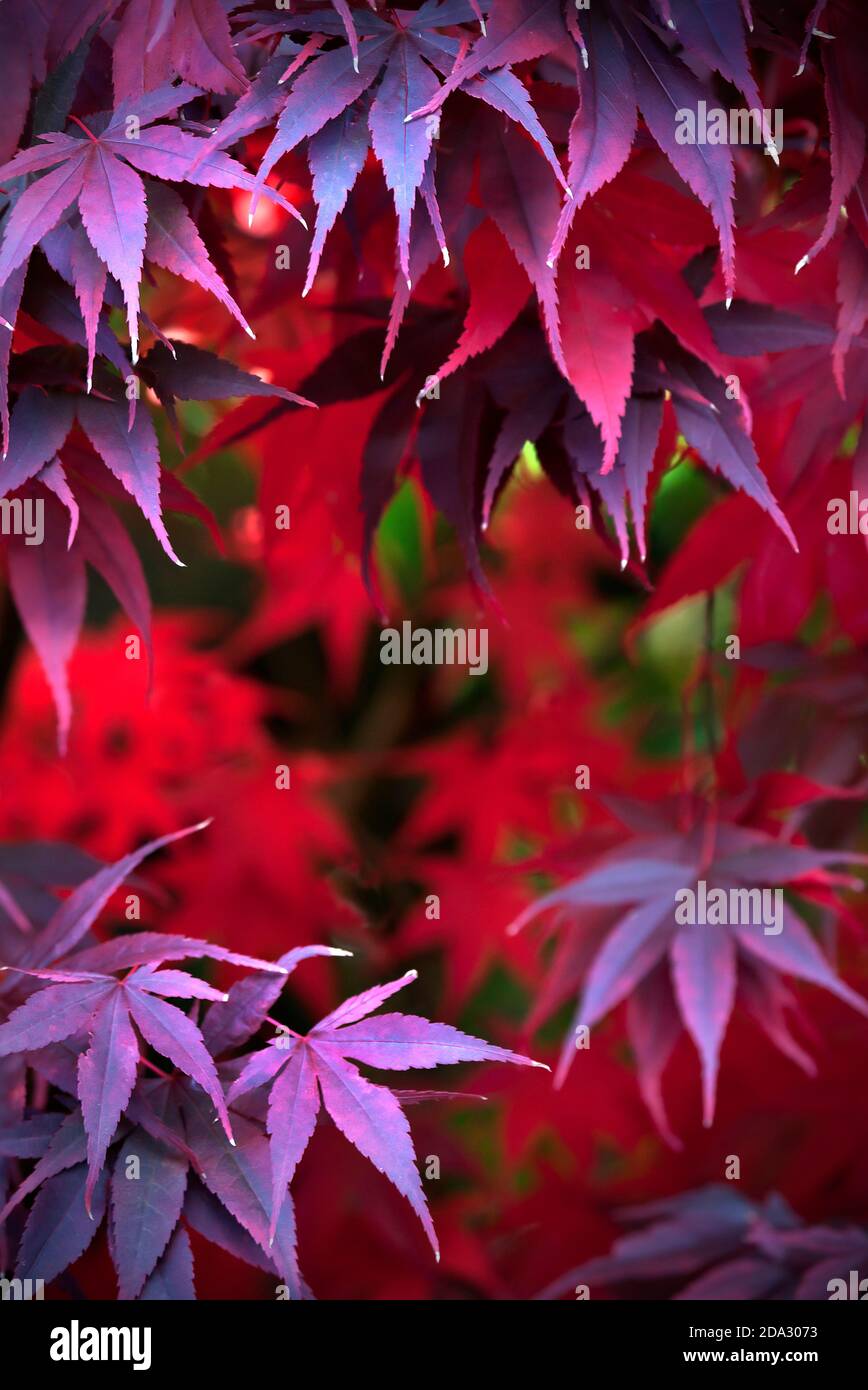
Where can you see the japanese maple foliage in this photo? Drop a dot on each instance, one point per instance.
(325, 316)
(673, 974)
(87, 1030)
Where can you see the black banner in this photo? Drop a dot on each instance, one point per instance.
(63, 1339)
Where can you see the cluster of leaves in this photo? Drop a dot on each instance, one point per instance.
(509, 248)
(468, 121)
(621, 937)
(126, 1134)
(726, 1247)
(76, 434)
(640, 323)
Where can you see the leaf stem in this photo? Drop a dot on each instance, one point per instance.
(282, 1027)
(89, 133)
(158, 1071)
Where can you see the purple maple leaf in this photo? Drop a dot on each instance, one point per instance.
(112, 1013)
(726, 1247)
(303, 1071)
(376, 92)
(623, 939)
(677, 1237)
(100, 168)
(83, 998)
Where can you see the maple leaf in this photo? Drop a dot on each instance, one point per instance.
(99, 168)
(726, 1247)
(169, 1129)
(216, 1189)
(301, 1072)
(679, 1236)
(377, 83)
(83, 1024)
(621, 931)
(83, 997)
